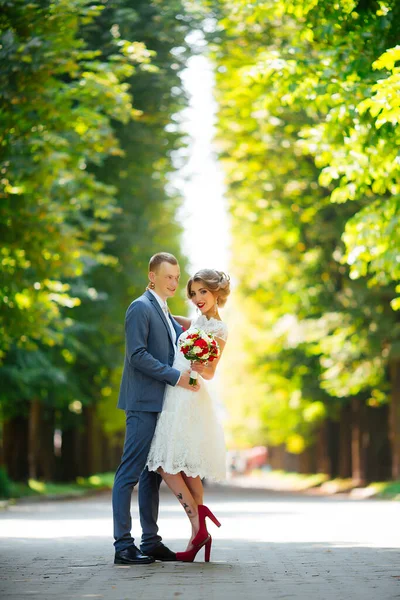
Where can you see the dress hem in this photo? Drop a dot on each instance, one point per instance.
(188, 474)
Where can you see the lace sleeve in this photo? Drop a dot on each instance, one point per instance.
(220, 330)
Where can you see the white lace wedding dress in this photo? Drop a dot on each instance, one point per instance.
(189, 436)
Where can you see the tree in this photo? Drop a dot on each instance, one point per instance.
(293, 79)
(92, 207)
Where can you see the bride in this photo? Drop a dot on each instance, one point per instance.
(188, 443)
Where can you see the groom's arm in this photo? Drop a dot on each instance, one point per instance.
(137, 326)
(183, 321)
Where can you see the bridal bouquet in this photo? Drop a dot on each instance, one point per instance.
(199, 346)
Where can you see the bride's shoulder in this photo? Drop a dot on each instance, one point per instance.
(221, 329)
(218, 328)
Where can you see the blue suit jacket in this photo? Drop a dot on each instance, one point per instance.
(149, 355)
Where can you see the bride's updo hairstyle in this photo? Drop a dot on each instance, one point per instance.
(214, 281)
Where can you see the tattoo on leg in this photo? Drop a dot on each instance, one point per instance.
(186, 507)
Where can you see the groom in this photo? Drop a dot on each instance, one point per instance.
(151, 335)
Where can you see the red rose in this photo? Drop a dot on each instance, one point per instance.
(185, 349)
(201, 344)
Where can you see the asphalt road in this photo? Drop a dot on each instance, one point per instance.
(270, 545)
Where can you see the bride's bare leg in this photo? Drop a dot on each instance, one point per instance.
(178, 486)
(195, 487)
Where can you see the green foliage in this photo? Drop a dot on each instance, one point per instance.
(309, 134)
(146, 223)
(58, 100)
(83, 485)
(386, 490)
(89, 101)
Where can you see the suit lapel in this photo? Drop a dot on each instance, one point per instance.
(177, 327)
(160, 311)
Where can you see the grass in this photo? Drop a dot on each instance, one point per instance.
(284, 480)
(81, 486)
(281, 480)
(386, 489)
(296, 482)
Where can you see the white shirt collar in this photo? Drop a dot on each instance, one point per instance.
(161, 302)
(164, 308)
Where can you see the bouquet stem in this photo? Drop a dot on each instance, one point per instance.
(193, 378)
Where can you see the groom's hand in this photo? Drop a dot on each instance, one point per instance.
(184, 382)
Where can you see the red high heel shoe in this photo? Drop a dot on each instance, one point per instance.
(202, 534)
(202, 538)
(191, 554)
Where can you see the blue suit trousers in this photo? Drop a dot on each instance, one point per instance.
(140, 427)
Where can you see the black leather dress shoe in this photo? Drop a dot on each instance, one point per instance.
(132, 556)
(161, 552)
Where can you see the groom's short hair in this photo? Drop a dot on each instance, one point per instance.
(159, 258)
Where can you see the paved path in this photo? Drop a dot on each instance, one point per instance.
(270, 546)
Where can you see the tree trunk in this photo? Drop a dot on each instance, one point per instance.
(34, 439)
(15, 446)
(394, 418)
(333, 448)
(359, 441)
(107, 458)
(307, 461)
(276, 456)
(345, 467)
(92, 441)
(71, 452)
(323, 463)
(379, 451)
(41, 442)
(46, 445)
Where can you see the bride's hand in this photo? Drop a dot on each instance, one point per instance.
(199, 367)
(184, 382)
